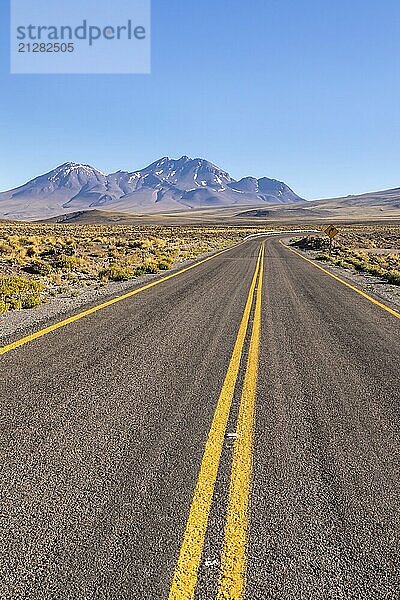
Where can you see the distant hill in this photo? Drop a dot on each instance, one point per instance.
(164, 186)
(371, 201)
(373, 205)
(91, 216)
(276, 212)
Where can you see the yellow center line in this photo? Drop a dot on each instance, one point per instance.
(90, 311)
(351, 287)
(232, 581)
(186, 570)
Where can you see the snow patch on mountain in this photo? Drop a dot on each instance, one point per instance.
(165, 185)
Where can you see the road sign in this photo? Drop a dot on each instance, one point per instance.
(331, 231)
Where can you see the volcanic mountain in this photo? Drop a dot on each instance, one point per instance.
(164, 186)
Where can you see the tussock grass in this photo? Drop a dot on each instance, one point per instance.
(65, 258)
(18, 292)
(366, 249)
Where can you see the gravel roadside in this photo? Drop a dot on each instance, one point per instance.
(17, 323)
(374, 286)
(22, 322)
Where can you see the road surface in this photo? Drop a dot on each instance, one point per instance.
(231, 432)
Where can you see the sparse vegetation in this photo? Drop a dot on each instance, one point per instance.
(18, 292)
(38, 261)
(367, 249)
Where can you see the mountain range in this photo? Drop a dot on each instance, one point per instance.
(165, 186)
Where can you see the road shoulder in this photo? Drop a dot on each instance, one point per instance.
(374, 286)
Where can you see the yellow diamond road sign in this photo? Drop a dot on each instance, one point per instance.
(331, 231)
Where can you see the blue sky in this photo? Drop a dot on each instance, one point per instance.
(303, 91)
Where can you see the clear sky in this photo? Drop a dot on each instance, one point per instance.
(306, 91)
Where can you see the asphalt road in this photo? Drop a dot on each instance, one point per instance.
(104, 425)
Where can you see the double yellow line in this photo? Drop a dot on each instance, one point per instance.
(233, 562)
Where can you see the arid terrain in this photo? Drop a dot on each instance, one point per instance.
(253, 365)
(364, 248)
(40, 261)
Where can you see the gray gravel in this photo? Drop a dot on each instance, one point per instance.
(19, 322)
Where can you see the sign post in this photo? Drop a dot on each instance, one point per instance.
(331, 232)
